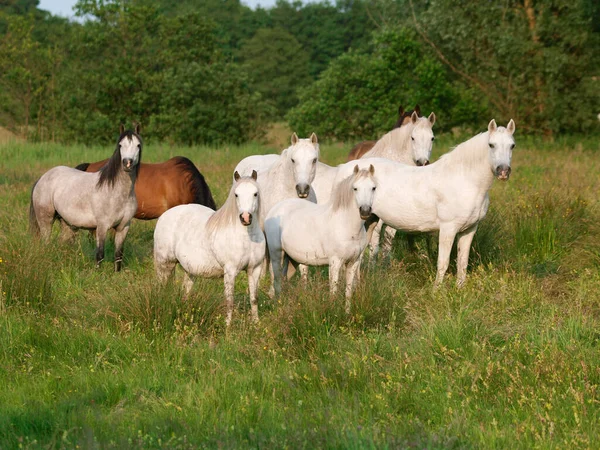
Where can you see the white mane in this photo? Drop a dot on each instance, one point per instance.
(227, 215)
(396, 141)
(469, 153)
(343, 194)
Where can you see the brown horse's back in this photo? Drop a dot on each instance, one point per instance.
(165, 185)
(360, 149)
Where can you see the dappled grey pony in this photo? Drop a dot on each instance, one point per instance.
(94, 201)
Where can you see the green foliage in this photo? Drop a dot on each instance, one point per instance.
(358, 95)
(277, 66)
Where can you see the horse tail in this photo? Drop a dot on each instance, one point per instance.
(34, 226)
(83, 167)
(200, 190)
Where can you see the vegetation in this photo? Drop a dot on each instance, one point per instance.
(96, 358)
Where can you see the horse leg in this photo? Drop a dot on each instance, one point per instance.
(120, 236)
(370, 225)
(447, 235)
(388, 239)
(410, 241)
(374, 241)
(465, 238)
(253, 277)
(352, 269)
(229, 280)
(100, 238)
(188, 284)
(67, 233)
(303, 269)
(276, 272)
(335, 266)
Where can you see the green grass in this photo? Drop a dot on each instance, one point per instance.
(90, 358)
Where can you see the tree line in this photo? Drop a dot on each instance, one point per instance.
(218, 71)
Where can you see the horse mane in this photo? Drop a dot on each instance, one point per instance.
(342, 194)
(467, 153)
(399, 136)
(228, 214)
(110, 171)
(199, 188)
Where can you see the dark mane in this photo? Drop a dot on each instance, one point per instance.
(199, 187)
(110, 171)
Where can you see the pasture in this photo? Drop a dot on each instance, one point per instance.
(92, 358)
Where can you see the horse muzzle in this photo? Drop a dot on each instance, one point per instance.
(127, 164)
(365, 212)
(302, 190)
(246, 218)
(503, 172)
(422, 162)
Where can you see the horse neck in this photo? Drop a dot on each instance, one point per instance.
(395, 145)
(346, 212)
(471, 159)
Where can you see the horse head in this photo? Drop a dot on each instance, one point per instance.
(247, 197)
(501, 144)
(130, 147)
(422, 138)
(303, 156)
(364, 187)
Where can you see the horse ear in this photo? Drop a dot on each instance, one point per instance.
(137, 127)
(432, 118)
(414, 117)
(401, 110)
(356, 168)
(254, 175)
(313, 139)
(294, 138)
(236, 176)
(511, 127)
(121, 129)
(417, 109)
(371, 169)
(492, 126)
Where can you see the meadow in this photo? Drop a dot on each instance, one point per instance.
(90, 358)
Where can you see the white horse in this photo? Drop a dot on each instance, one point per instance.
(214, 244)
(450, 195)
(95, 201)
(332, 234)
(290, 175)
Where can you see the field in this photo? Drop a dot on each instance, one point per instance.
(95, 359)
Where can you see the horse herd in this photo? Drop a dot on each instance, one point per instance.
(288, 209)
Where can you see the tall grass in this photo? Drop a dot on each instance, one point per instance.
(93, 358)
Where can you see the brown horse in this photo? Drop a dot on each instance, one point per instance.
(363, 147)
(165, 185)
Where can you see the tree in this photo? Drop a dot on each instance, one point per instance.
(277, 66)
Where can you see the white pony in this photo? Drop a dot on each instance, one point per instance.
(94, 201)
(291, 174)
(450, 195)
(332, 234)
(214, 244)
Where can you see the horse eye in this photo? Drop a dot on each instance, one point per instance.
(256, 194)
(432, 139)
(293, 161)
(374, 188)
(492, 145)
(315, 161)
(235, 195)
(355, 189)
(512, 146)
(412, 138)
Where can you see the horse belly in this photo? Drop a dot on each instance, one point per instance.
(199, 261)
(303, 245)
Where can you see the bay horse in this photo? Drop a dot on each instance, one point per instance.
(215, 244)
(363, 147)
(94, 201)
(331, 234)
(164, 185)
(450, 196)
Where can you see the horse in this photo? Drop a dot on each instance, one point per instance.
(331, 234)
(449, 196)
(95, 201)
(165, 185)
(363, 147)
(215, 244)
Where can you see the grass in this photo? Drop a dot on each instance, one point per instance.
(94, 359)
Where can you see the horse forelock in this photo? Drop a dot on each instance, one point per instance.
(343, 194)
(227, 215)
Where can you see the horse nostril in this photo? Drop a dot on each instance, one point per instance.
(302, 190)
